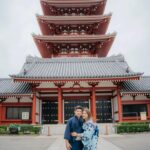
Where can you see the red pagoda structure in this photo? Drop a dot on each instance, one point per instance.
(74, 70)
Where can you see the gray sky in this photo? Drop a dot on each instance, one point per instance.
(131, 21)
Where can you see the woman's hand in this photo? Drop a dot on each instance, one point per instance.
(74, 134)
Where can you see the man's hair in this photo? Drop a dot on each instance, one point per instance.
(78, 107)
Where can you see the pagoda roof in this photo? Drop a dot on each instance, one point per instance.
(46, 4)
(73, 3)
(75, 69)
(46, 21)
(44, 42)
(136, 87)
(8, 88)
(74, 19)
(74, 38)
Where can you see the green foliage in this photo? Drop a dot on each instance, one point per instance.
(4, 127)
(20, 129)
(14, 128)
(28, 129)
(3, 130)
(37, 129)
(133, 127)
(133, 123)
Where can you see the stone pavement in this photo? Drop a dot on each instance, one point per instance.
(43, 142)
(103, 144)
(139, 141)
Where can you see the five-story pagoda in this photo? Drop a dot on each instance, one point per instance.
(74, 29)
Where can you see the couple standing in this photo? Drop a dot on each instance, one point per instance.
(81, 132)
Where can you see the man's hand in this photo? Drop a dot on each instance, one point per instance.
(74, 134)
(68, 146)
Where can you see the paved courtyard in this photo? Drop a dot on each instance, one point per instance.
(131, 141)
(113, 142)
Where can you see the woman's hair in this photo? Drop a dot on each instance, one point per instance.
(88, 113)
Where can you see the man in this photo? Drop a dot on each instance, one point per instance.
(74, 125)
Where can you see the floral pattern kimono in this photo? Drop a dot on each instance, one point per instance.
(90, 135)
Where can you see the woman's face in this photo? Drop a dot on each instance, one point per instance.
(85, 115)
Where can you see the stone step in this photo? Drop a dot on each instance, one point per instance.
(105, 129)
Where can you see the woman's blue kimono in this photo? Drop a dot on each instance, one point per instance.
(90, 135)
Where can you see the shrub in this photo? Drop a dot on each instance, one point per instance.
(36, 129)
(132, 127)
(20, 129)
(3, 131)
(28, 129)
(14, 129)
(4, 127)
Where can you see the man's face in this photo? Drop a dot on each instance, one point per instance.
(78, 113)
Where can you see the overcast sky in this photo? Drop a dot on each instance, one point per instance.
(131, 21)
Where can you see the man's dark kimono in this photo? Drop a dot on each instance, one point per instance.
(74, 125)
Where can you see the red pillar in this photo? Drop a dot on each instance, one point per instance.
(34, 109)
(93, 103)
(120, 112)
(60, 111)
(1, 113)
(148, 110)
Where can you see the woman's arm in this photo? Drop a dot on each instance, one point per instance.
(88, 132)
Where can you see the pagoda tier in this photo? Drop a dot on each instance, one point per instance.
(73, 7)
(74, 45)
(57, 25)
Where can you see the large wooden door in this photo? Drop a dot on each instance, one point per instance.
(69, 106)
(49, 112)
(104, 111)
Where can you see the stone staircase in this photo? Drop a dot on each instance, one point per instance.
(105, 129)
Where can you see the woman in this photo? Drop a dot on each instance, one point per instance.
(89, 136)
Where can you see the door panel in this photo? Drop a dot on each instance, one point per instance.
(49, 112)
(104, 111)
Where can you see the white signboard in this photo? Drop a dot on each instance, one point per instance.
(143, 115)
(25, 115)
